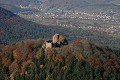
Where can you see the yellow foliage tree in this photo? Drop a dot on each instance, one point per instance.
(15, 53)
(12, 76)
(14, 66)
(41, 66)
(61, 39)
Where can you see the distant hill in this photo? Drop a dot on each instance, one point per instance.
(13, 5)
(84, 5)
(18, 2)
(65, 4)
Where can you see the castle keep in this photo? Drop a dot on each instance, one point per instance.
(57, 41)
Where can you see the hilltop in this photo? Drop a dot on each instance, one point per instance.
(81, 59)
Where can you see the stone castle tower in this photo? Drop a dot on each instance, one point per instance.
(56, 38)
(55, 42)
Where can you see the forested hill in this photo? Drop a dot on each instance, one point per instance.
(14, 28)
(80, 60)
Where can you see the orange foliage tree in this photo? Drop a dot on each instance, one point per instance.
(49, 52)
(59, 57)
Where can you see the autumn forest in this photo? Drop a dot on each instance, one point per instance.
(80, 60)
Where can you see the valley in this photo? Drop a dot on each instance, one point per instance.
(98, 21)
(74, 19)
(103, 18)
